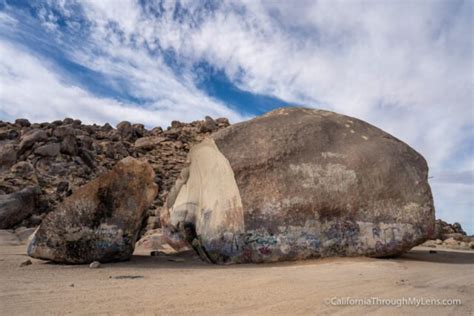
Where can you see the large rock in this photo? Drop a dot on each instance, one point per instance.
(7, 156)
(17, 206)
(100, 221)
(299, 183)
(32, 137)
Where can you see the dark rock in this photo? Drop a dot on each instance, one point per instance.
(106, 127)
(208, 125)
(85, 141)
(176, 124)
(222, 121)
(298, 183)
(125, 129)
(25, 263)
(63, 186)
(30, 138)
(63, 131)
(48, 150)
(69, 145)
(138, 130)
(87, 157)
(68, 120)
(22, 122)
(17, 206)
(9, 134)
(99, 221)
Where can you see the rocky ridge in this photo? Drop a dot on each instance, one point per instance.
(43, 163)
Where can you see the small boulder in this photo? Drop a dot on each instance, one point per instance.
(26, 263)
(21, 122)
(101, 220)
(17, 206)
(208, 125)
(68, 120)
(48, 150)
(30, 138)
(148, 142)
(125, 129)
(7, 156)
(94, 265)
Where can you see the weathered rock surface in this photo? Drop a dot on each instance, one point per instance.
(17, 206)
(299, 183)
(99, 221)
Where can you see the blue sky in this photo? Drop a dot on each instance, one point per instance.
(404, 66)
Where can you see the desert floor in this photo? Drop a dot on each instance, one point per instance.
(181, 284)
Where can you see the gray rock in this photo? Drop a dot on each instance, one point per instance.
(7, 156)
(69, 145)
(22, 122)
(300, 183)
(148, 142)
(30, 138)
(208, 125)
(26, 263)
(101, 220)
(94, 265)
(17, 206)
(48, 150)
(125, 129)
(62, 131)
(138, 130)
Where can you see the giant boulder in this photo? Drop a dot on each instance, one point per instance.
(299, 183)
(101, 220)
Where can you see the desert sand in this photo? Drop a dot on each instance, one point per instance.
(182, 284)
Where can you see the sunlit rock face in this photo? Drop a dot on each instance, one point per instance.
(300, 183)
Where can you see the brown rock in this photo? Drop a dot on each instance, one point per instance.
(69, 145)
(99, 221)
(22, 122)
(148, 142)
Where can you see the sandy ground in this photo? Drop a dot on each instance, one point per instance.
(181, 284)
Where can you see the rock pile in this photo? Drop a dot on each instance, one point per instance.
(450, 236)
(43, 163)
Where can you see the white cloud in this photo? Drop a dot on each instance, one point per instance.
(31, 88)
